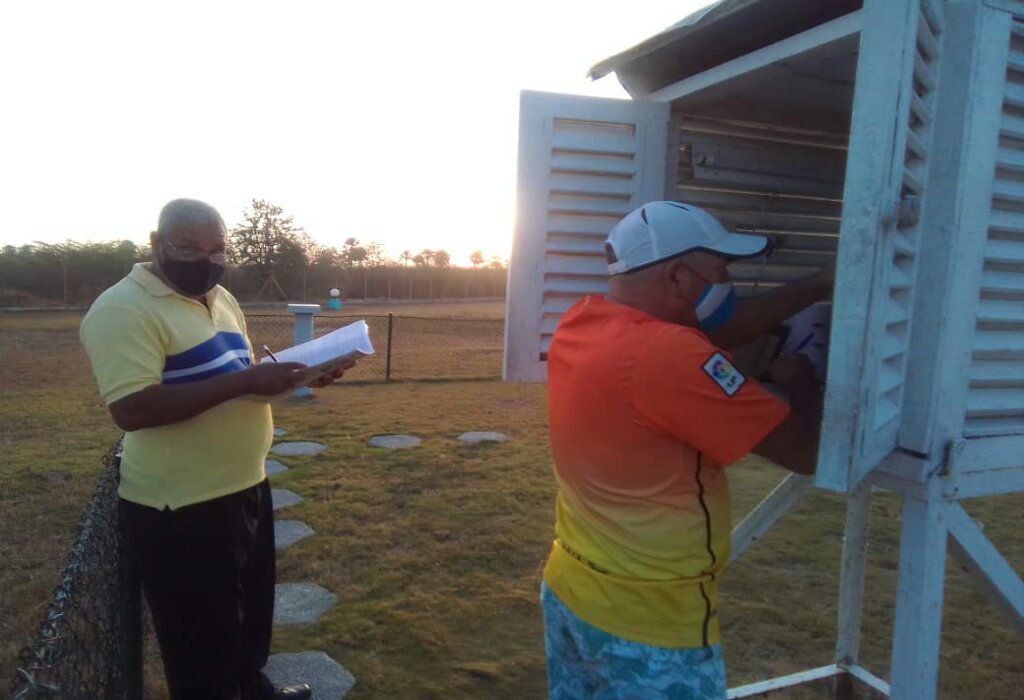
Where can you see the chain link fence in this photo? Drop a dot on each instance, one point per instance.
(89, 644)
(51, 275)
(407, 348)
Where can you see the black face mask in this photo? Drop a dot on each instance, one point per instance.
(194, 278)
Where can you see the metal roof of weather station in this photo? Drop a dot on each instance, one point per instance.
(714, 35)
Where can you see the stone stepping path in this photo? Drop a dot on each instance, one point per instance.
(478, 437)
(328, 679)
(301, 603)
(272, 466)
(288, 532)
(283, 498)
(298, 449)
(305, 603)
(394, 442)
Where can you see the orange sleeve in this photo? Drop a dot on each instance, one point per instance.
(689, 388)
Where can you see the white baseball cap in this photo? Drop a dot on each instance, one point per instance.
(658, 231)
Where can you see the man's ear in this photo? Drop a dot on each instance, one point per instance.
(677, 275)
(153, 238)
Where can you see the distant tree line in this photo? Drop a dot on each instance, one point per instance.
(271, 259)
(63, 273)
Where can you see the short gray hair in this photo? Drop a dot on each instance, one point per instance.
(186, 213)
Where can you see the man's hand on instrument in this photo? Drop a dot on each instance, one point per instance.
(793, 372)
(826, 277)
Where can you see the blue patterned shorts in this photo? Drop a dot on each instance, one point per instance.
(586, 663)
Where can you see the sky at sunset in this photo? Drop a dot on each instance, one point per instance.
(393, 122)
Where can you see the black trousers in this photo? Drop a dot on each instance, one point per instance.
(208, 575)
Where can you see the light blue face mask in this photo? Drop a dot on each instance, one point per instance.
(715, 305)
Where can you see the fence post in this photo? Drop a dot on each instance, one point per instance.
(387, 365)
(65, 277)
(304, 314)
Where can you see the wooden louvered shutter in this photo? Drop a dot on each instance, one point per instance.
(995, 398)
(584, 163)
(880, 236)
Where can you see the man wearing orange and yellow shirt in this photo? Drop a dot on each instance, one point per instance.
(646, 412)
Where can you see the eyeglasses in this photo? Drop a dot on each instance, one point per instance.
(191, 254)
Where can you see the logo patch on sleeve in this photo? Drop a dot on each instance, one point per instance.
(724, 374)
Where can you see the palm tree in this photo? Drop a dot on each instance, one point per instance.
(406, 257)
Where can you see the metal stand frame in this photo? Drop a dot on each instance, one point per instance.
(274, 284)
(931, 516)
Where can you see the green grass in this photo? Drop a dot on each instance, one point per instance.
(435, 553)
(51, 420)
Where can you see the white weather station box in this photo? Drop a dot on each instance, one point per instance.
(887, 135)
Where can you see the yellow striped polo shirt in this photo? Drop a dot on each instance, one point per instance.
(141, 333)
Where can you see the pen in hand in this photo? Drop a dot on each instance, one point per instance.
(267, 350)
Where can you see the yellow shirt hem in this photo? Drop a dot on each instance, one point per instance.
(675, 614)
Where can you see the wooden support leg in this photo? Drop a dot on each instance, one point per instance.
(916, 638)
(851, 582)
(987, 566)
(767, 513)
(851, 585)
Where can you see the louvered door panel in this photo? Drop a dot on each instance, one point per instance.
(995, 399)
(584, 163)
(880, 236)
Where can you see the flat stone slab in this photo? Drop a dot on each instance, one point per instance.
(283, 498)
(298, 449)
(288, 532)
(328, 679)
(280, 432)
(394, 442)
(301, 603)
(475, 437)
(272, 466)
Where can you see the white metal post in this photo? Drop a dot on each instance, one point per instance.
(922, 571)
(304, 314)
(768, 512)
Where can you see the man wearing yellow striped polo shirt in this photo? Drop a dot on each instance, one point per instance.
(170, 353)
(645, 414)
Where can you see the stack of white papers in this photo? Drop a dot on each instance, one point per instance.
(329, 352)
